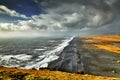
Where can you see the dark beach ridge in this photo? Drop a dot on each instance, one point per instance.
(81, 57)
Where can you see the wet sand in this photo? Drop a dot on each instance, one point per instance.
(68, 61)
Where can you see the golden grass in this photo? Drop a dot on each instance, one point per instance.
(107, 38)
(108, 47)
(104, 42)
(20, 74)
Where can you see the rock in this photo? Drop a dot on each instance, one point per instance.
(114, 72)
(118, 61)
(80, 72)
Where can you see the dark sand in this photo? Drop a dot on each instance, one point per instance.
(77, 59)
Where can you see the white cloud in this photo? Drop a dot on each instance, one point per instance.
(12, 27)
(7, 26)
(45, 22)
(5, 10)
(53, 21)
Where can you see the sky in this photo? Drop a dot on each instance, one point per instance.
(60, 15)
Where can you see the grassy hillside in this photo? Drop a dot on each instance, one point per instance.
(20, 74)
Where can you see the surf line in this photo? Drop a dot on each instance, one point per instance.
(49, 56)
(69, 60)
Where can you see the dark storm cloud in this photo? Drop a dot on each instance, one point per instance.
(103, 4)
(98, 11)
(117, 5)
(72, 14)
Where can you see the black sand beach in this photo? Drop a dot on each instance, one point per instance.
(77, 59)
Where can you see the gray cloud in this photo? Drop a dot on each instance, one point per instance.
(63, 15)
(96, 12)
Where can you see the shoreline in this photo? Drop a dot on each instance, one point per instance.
(81, 58)
(84, 57)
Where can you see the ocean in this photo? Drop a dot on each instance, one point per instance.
(28, 53)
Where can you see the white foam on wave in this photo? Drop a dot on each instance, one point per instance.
(19, 57)
(39, 49)
(13, 60)
(52, 41)
(42, 61)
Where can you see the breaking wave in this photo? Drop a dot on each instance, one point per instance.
(48, 56)
(14, 60)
